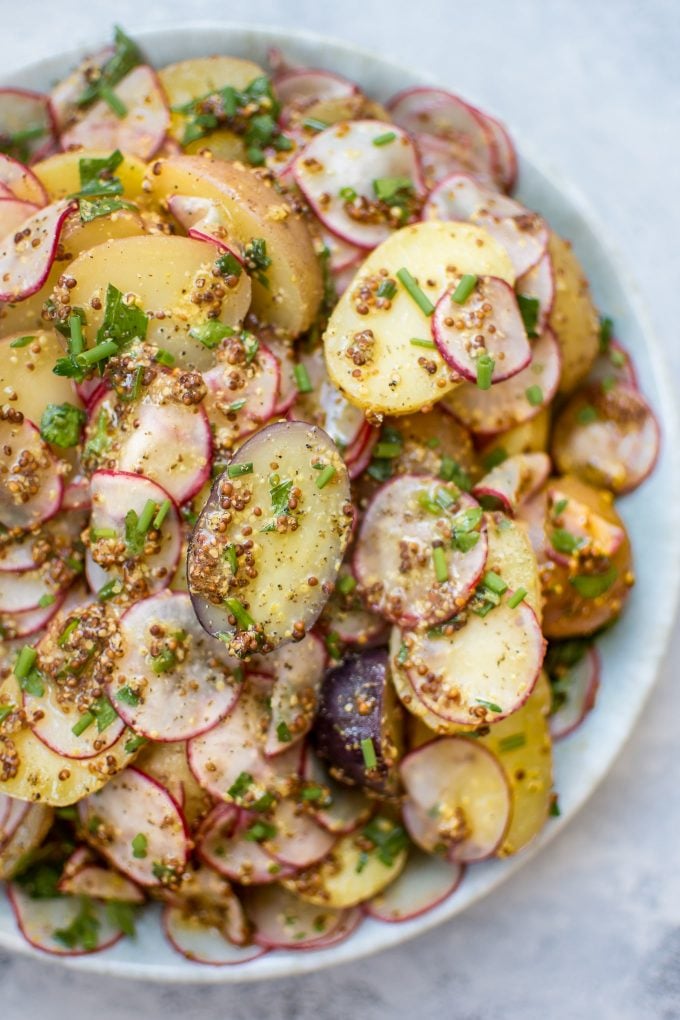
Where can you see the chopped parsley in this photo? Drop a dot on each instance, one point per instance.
(61, 424)
(211, 333)
(529, 309)
(83, 931)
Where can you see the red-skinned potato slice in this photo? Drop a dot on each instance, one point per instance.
(13, 213)
(513, 482)
(279, 603)
(242, 394)
(445, 116)
(282, 920)
(394, 560)
(510, 403)
(20, 182)
(487, 323)
(204, 943)
(426, 881)
(114, 495)
(133, 805)
(172, 681)
(346, 156)
(41, 920)
(574, 693)
(222, 844)
(142, 129)
(24, 111)
(31, 487)
(458, 798)
(539, 283)
(235, 747)
(607, 436)
(26, 257)
(522, 233)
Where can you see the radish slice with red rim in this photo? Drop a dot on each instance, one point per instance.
(26, 257)
(42, 920)
(65, 95)
(513, 482)
(426, 881)
(77, 495)
(234, 749)
(400, 575)
(346, 618)
(29, 550)
(339, 173)
(242, 393)
(13, 215)
(203, 943)
(30, 590)
(26, 124)
(462, 791)
(138, 826)
(484, 670)
(283, 921)
(298, 542)
(510, 403)
(613, 366)
(31, 622)
(342, 278)
(172, 680)
(31, 488)
(322, 404)
(142, 128)
(523, 233)
(341, 254)
(335, 806)
(303, 87)
(100, 883)
(223, 845)
(20, 182)
(13, 813)
(506, 170)
(538, 284)
(298, 840)
(487, 324)
(608, 437)
(446, 116)
(284, 352)
(439, 158)
(574, 693)
(114, 544)
(5, 812)
(204, 219)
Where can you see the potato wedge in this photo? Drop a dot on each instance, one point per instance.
(369, 354)
(573, 318)
(163, 273)
(254, 209)
(27, 382)
(191, 79)
(60, 174)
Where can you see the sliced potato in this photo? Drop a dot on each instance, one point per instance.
(369, 353)
(27, 382)
(164, 274)
(511, 555)
(191, 79)
(530, 437)
(573, 318)
(254, 209)
(221, 144)
(60, 174)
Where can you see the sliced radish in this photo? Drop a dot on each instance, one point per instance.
(99, 883)
(13, 813)
(5, 812)
(41, 921)
(299, 538)
(130, 806)
(235, 747)
(346, 617)
(342, 278)
(26, 113)
(538, 283)
(140, 131)
(26, 826)
(523, 234)
(439, 158)
(26, 257)
(284, 352)
(16, 180)
(613, 366)
(608, 437)
(341, 254)
(223, 845)
(299, 841)
(339, 808)
(13, 214)
(55, 724)
(362, 458)
(203, 943)
(481, 672)
(66, 93)
(575, 693)
(172, 680)
(204, 219)
(506, 170)
(486, 412)
(31, 622)
(241, 395)
(426, 881)
(25, 590)
(513, 482)
(31, 488)
(395, 563)
(324, 405)
(487, 324)
(283, 921)
(443, 115)
(586, 533)
(56, 538)
(344, 156)
(114, 495)
(91, 390)
(77, 494)
(461, 798)
(301, 88)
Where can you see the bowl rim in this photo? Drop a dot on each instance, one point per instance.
(666, 412)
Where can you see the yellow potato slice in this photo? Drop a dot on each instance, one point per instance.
(27, 382)
(530, 437)
(163, 274)
(573, 318)
(191, 79)
(369, 353)
(254, 209)
(60, 174)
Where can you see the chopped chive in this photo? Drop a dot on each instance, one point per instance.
(494, 582)
(418, 342)
(283, 733)
(127, 696)
(606, 333)
(385, 139)
(211, 333)
(140, 845)
(104, 713)
(97, 353)
(517, 597)
(231, 557)
(534, 395)
(240, 785)
(413, 290)
(465, 541)
(163, 511)
(333, 645)
(164, 357)
(617, 358)
(326, 475)
(387, 289)
(26, 660)
(146, 517)
(444, 499)
(347, 194)
(346, 584)
(21, 341)
(75, 326)
(236, 405)
(238, 470)
(591, 586)
(555, 807)
(110, 589)
(228, 265)
(302, 380)
(134, 743)
(491, 705)
(464, 289)
(5, 711)
(586, 415)
(260, 831)
(313, 793)
(85, 721)
(244, 620)
(314, 124)
(511, 742)
(560, 506)
(485, 367)
(441, 569)
(98, 533)
(368, 752)
(563, 541)
(46, 600)
(402, 654)
(67, 631)
(494, 458)
(387, 450)
(114, 103)
(32, 684)
(529, 308)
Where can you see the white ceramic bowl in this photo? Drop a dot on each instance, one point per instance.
(631, 652)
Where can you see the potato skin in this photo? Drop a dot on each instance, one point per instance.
(567, 614)
(573, 318)
(255, 209)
